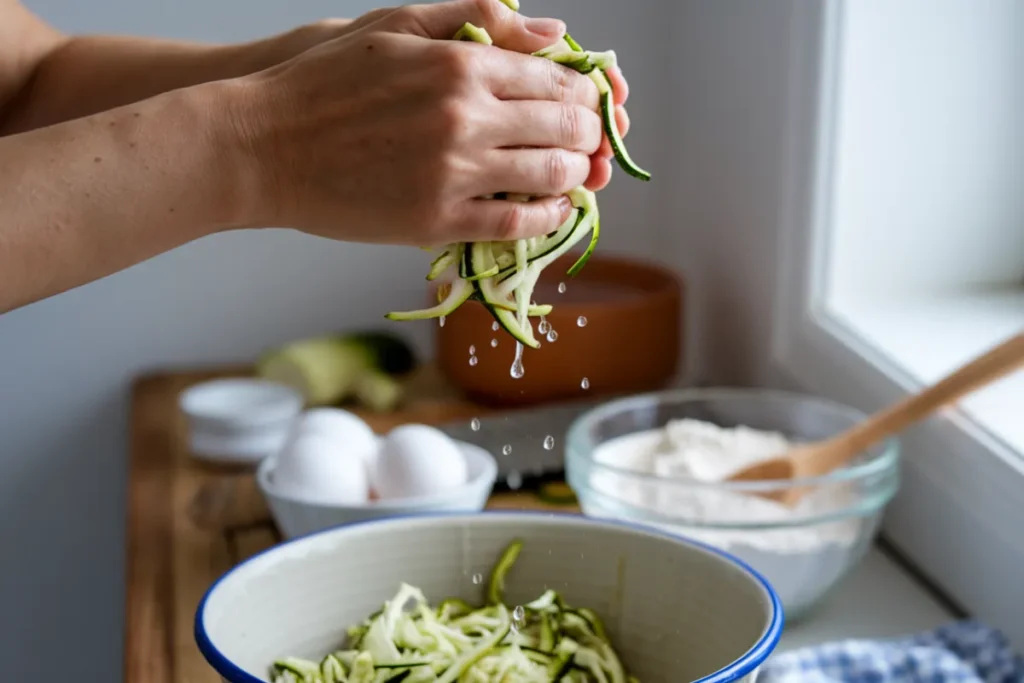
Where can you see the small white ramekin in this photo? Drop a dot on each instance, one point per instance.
(238, 421)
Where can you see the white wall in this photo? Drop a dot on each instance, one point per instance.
(726, 137)
(68, 361)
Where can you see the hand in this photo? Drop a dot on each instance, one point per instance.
(305, 37)
(393, 131)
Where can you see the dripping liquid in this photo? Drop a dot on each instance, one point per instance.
(517, 371)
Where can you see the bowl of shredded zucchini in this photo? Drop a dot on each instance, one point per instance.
(503, 597)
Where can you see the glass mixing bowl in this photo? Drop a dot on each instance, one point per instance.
(803, 550)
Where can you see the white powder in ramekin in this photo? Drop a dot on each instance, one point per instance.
(798, 559)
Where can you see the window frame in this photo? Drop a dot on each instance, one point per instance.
(960, 510)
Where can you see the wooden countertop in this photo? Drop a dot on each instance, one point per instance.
(190, 522)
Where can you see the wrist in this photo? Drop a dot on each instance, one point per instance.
(234, 191)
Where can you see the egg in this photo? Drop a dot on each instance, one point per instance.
(351, 434)
(416, 460)
(315, 468)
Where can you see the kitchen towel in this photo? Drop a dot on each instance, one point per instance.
(962, 652)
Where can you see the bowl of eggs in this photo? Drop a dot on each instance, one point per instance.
(333, 470)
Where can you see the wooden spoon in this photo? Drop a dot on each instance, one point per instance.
(816, 459)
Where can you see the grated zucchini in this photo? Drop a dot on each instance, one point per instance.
(407, 641)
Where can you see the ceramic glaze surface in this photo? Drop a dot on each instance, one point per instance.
(676, 611)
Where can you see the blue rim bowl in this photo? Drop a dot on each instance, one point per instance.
(736, 670)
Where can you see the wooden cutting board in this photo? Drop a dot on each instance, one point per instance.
(190, 522)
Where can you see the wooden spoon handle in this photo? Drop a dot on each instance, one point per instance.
(996, 363)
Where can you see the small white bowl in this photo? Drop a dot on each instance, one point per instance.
(675, 610)
(296, 517)
(238, 421)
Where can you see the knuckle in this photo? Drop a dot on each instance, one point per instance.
(513, 221)
(586, 91)
(571, 128)
(560, 81)
(591, 129)
(556, 171)
(489, 11)
(456, 63)
(453, 118)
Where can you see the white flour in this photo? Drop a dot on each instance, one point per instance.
(800, 560)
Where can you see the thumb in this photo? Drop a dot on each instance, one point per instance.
(508, 29)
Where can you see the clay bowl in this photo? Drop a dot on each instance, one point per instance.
(630, 341)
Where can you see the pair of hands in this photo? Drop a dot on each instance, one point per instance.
(388, 131)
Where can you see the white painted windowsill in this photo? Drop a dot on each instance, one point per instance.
(879, 600)
(919, 340)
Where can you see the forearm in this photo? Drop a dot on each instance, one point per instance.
(90, 74)
(89, 197)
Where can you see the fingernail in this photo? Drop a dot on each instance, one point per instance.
(545, 27)
(564, 208)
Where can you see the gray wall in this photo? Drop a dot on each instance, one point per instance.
(68, 361)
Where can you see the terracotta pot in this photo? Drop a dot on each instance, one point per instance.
(630, 341)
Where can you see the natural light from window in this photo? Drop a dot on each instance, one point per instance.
(925, 262)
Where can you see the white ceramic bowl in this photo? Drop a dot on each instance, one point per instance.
(238, 420)
(295, 517)
(676, 611)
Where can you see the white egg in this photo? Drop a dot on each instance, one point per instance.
(352, 435)
(315, 468)
(416, 460)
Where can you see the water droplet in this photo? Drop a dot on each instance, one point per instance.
(581, 321)
(517, 371)
(474, 424)
(506, 449)
(478, 579)
(514, 480)
(472, 349)
(494, 343)
(585, 384)
(552, 336)
(473, 360)
(561, 288)
(549, 443)
(543, 326)
(518, 618)
(440, 321)
(495, 326)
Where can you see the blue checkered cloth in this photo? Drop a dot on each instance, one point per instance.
(962, 652)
